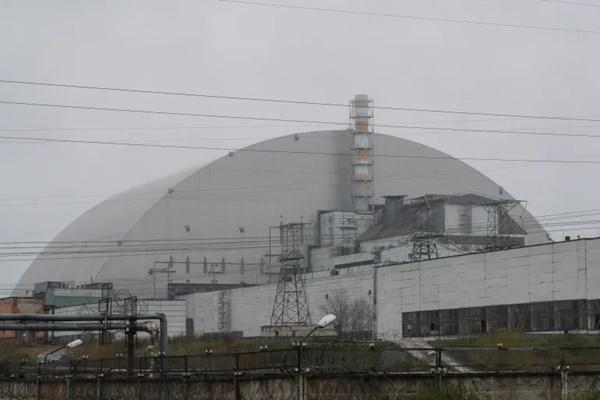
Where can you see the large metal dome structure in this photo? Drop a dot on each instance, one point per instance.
(219, 214)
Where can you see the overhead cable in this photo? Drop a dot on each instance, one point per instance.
(296, 102)
(413, 17)
(300, 152)
(573, 3)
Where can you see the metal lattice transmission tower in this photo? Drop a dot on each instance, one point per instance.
(425, 239)
(497, 224)
(424, 247)
(362, 126)
(291, 303)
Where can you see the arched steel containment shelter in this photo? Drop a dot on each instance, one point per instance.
(213, 222)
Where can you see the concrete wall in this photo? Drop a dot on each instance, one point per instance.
(251, 307)
(13, 305)
(465, 220)
(543, 386)
(561, 271)
(341, 228)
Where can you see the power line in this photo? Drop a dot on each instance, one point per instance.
(173, 113)
(42, 256)
(573, 3)
(567, 218)
(174, 247)
(254, 118)
(295, 102)
(253, 150)
(413, 17)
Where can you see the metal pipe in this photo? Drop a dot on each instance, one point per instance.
(78, 317)
(163, 334)
(68, 327)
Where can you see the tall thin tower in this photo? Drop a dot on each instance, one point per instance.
(291, 303)
(361, 120)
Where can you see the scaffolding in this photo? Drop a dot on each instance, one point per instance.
(425, 239)
(424, 247)
(498, 220)
(291, 303)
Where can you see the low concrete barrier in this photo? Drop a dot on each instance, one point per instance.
(500, 386)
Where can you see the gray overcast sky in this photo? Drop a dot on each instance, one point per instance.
(234, 49)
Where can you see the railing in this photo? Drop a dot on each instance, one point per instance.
(359, 358)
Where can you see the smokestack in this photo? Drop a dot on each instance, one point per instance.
(361, 120)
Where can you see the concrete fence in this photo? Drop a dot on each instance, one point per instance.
(491, 386)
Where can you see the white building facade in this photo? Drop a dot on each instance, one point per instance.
(551, 287)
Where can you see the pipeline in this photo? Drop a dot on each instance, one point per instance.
(70, 327)
(163, 334)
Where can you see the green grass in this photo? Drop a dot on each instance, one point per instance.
(447, 392)
(586, 396)
(9, 352)
(326, 353)
(520, 339)
(543, 353)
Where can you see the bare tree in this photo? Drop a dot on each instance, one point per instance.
(337, 304)
(354, 317)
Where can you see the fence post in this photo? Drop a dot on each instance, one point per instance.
(37, 381)
(299, 393)
(438, 369)
(68, 388)
(563, 369)
(131, 333)
(236, 386)
(98, 387)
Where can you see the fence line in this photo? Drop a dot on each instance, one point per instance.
(325, 359)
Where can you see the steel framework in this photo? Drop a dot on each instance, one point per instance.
(424, 247)
(425, 239)
(497, 223)
(291, 303)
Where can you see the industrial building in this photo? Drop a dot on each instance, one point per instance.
(551, 287)
(211, 226)
(14, 305)
(430, 244)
